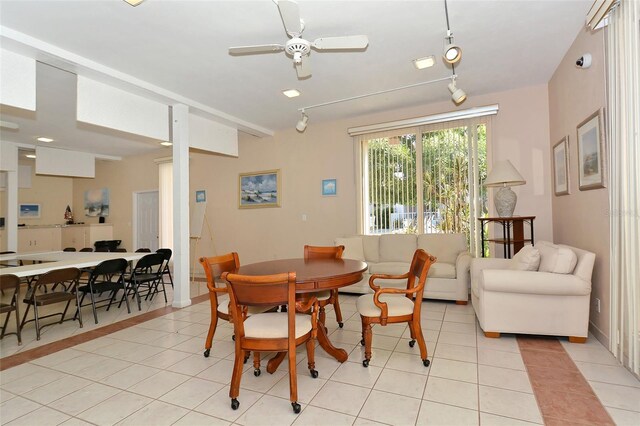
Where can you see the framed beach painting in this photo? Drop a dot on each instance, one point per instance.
(259, 189)
(591, 152)
(561, 167)
(29, 211)
(96, 202)
(329, 187)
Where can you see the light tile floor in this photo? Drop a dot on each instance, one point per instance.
(154, 374)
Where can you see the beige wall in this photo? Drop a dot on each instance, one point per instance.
(520, 133)
(122, 178)
(581, 218)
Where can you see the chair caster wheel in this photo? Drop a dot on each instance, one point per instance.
(206, 353)
(365, 363)
(340, 324)
(412, 343)
(296, 407)
(235, 404)
(426, 362)
(256, 372)
(362, 342)
(314, 373)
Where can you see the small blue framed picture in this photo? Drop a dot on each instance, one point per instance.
(329, 187)
(201, 196)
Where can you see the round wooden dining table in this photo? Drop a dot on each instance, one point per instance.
(312, 276)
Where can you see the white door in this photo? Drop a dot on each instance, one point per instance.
(147, 225)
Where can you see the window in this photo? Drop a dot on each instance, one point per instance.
(425, 180)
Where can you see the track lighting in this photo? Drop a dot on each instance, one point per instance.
(302, 123)
(458, 96)
(452, 53)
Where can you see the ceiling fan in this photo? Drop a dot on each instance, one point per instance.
(297, 47)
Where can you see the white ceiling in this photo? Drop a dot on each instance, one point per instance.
(181, 46)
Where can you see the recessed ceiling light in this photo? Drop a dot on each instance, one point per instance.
(47, 140)
(291, 93)
(134, 2)
(426, 62)
(166, 143)
(30, 155)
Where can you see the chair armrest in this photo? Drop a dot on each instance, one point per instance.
(384, 309)
(479, 264)
(533, 282)
(463, 262)
(385, 277)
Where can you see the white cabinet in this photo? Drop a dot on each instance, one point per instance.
(80, 236)
(45, 238)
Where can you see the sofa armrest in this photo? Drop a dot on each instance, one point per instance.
(533, 282)
(463, 263)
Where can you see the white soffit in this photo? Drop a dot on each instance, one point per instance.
(59, 162)
(17, 80)
(107, 106)
(212, 136)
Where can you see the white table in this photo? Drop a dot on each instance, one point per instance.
(60, 259)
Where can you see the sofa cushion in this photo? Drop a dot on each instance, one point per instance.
(397, 248)
(556, 259)
(352, 248)
(527, 259)
(391, 268)
(442, 270)
(445, 247)
(396, 305)
(371, 246)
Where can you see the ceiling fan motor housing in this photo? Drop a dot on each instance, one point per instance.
(297, 47)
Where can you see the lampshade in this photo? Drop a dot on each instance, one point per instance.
(504, 174)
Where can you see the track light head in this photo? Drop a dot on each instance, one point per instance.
(452, 53)
(302, 123)
(458, 96)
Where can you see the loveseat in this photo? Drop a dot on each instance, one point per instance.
(543, 290)
(448, 278)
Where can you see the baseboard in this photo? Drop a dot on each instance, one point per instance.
(181, 303)
(599, 335)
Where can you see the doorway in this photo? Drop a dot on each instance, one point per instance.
(146, 224)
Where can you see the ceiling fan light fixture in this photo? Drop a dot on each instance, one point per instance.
(134, 3)
(426, 62)
(302, 123)
(458, 96)
(291, 93)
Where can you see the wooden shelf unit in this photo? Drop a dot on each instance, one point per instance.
(512, 233)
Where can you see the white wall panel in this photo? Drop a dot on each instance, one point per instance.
(107, 106)
(59, 162)
(17, 80)
(211, 136)
(8, 157)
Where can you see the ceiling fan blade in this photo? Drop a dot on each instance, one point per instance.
(303, 69)
(261, 48)
(346, 42)
(290, 14)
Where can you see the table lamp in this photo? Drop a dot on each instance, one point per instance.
(503, 174)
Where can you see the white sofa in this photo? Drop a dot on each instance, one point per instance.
(448, 278)
(510, 300)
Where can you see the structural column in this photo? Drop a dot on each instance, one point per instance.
(181, 296)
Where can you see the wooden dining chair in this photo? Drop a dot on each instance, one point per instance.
(270, 331)
(329, 297)
(67, 278)
(11, 283)
(395, 305)
(107, 276)
(213, 268)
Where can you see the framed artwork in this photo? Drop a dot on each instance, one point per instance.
(259, 189)
(561, 167)
(96, 202)
(591, 152)
(201, 196)
(329, 187)
(29, 211)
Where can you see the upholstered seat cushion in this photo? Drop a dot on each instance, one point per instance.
(397, 305)
(223, 307)
(273, 325)
(323, 295)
